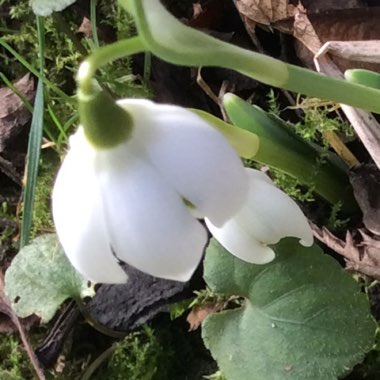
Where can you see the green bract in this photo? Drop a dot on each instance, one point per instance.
(281, 148)
(105, 124)
(41, 278)
(302, 318)
(244, 142)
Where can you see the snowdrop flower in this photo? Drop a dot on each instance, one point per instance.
(267, 216)
(138, 199)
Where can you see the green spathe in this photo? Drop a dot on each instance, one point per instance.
(302, 318)
(105, 123)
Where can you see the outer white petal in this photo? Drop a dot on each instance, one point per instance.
(193, 156)
(241, 242)
(275, 214)
(149, 225)
(268, 216)
(79, 218)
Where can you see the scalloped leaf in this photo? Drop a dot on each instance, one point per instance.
(47, 7)
(41, 278)
(303, 316)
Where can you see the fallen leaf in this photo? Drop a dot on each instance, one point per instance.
(13, 113)
(6, 309)
(199, 314)
(365, 181)
(264, 12)
(85, 27)
(362, 254)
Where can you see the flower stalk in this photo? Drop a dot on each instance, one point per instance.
(182, 45)
(96, 105)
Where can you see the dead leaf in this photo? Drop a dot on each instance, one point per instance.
(86, 27)
(365, 181)
(263, 12)
(199, 314)
(339, 25)
(13, 113)
(6, 308)
(362, 254)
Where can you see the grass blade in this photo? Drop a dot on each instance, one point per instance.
(34, 145)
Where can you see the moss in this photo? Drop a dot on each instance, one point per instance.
(320, 118)
(42, 218)
(139, 357)
(64, 50)
(14, 361)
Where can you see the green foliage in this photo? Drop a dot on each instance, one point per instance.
(42, 218)
(14, 361)
(281, 148)
(62, 56)
(292, 186)
(303, 317)
(139, 357)
(335, 221)
(319, 118)
(216, 376)
(41, 278)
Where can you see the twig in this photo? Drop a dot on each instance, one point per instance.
(6, 308)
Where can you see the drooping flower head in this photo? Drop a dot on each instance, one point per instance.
(137, 201)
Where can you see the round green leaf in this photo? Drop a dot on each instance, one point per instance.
(47, 7)
(303, 316)
(41, 278)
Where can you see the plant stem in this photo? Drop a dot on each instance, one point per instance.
(102, 56)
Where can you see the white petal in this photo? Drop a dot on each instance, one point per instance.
(241, 242)
(272, 213)
(268, 216)
(78, 216)
(150, 227)
(193, 156)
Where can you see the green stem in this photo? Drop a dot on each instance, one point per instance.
(101, 57)
(93, 23)
(311, 83)
(174, 42)
(96, 106)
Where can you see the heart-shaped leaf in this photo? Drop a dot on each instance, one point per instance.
(41, 278)
(303, 316)
(47, 7)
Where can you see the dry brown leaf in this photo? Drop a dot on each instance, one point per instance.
(199, 314)
(362, 256)
(264, 12)
(365, 181)
(13, 113)
(6, 309)
(85, 27)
